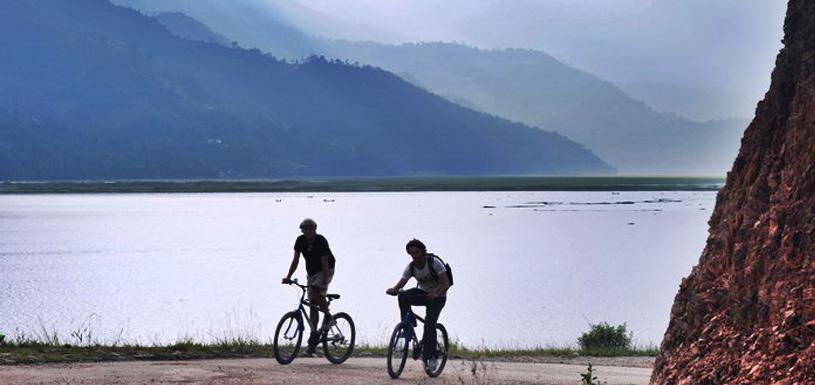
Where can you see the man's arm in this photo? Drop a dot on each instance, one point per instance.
(293, 267)
(395, 289)
(444, 284)
(324, 261)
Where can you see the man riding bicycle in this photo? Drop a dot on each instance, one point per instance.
(431, 293)
(320, 269)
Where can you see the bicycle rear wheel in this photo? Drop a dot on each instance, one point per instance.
(442, 348)
(397, 350)
(287, 338)
(338, 340)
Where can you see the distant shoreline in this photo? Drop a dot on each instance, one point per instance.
(394, 184)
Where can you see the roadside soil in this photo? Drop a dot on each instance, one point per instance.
(319, 371)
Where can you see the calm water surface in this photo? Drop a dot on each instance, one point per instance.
(531, 268)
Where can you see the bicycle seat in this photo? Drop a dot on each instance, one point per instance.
(333, 296)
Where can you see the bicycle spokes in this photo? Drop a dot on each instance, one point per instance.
(338, 340)
(288, 337)
(442, 346)
(397, 351)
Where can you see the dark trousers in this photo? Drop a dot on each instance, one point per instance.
(418, 297)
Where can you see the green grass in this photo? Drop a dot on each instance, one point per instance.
(29, 351)
(461, 351)
(83, 344)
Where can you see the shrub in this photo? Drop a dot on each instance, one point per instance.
(603, 336)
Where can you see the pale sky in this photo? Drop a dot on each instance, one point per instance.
(674, 40)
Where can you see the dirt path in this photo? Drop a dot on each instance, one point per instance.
(309, 371)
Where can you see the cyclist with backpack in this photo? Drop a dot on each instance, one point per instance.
(433, 282)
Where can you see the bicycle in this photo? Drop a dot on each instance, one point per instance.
(337, 335)
(402, 337)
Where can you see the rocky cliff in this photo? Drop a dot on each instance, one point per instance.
(746, 313)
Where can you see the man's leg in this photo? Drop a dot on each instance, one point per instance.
(411, 297)
(318, 290)
(314, 337)
(314, 283)
(323, 300)
(431, 318)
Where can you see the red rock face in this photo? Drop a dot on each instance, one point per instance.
(746, 313)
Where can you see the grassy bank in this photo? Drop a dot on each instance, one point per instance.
(29, 352)
(502, 183)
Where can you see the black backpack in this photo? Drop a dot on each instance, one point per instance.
(433, 272)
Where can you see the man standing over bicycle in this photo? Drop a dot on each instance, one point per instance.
(431, 293)
(320, 269)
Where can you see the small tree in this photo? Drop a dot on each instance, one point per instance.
(603, 336)
(589, 378)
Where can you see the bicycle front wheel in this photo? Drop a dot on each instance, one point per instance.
(338, 340)
(442, 348)
(398, 350)
(287, 338)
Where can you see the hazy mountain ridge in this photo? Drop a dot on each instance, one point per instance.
(133, 101)
(534, 88)
(184, 26)
(723, 47)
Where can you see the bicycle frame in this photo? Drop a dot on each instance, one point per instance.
(337, 333)
(399, 345)
(301, 309)
(410, 316)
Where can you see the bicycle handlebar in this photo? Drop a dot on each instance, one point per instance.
(294, 282)
(400, 291)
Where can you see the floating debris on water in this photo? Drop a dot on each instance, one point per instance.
(530, 205)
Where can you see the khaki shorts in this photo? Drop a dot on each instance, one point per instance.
(318, 283)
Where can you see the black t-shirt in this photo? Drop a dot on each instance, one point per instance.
(313, 251)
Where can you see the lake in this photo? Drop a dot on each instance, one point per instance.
(531, 268)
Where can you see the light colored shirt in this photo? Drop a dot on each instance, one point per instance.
(423, 276)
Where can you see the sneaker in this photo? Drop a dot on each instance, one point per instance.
(313, 340)
(432, 364)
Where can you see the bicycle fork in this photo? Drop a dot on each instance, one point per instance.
(291, 329)
(410, 336)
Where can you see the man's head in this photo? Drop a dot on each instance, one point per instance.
(309, 227)
(416, 249)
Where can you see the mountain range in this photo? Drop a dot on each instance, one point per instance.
(94, 91)
(522, 85)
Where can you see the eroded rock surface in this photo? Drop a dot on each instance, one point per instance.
(746, 313)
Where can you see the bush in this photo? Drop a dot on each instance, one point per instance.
(603, 336)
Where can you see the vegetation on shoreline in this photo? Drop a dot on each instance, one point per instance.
(27, 351)
(83, 344)
(481, 183)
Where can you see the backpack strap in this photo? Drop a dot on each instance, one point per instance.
(429, 261)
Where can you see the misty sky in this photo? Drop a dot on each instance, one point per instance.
(694, 43)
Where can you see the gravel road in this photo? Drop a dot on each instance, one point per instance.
(310, 371)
